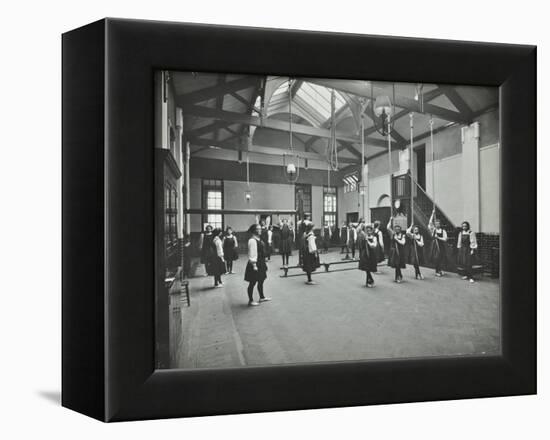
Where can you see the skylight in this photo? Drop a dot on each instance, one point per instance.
(318, 98)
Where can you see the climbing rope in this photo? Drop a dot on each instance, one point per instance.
(332, 154)
(411, 116)
(433, 164)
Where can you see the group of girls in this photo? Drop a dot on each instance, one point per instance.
(219, 250)
(466, 245)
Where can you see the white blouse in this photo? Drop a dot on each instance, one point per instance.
(311, 245)
(253, 250)
(219, 246)
(379, 236)
(473, 240)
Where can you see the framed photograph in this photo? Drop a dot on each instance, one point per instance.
(261, 220)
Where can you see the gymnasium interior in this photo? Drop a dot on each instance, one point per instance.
(232, 150)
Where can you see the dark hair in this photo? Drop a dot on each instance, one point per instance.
(376, 223)
(309, 227)
(208, 226)
(228, 228)
(253, 228)
(466, 223)
(217, 231)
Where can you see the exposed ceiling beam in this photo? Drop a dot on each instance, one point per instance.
(275, 124)
(245, 102)
(427, 134)
(219, 100)
(457, 101)
(349, 147)
(369, 111)
(295, 87)
(360, 88)
(489, 108)
(217, 90)
(233, 132)
(208, 128)
(273, 151)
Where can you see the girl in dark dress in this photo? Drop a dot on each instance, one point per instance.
(269, 242)
(230, 249)
(256, 268)
(367, 244)
(438, 251)
(310, 258)
(263, 233)
(287, 238)
(352, 239)
(416, 249)
(466, 244)
(380, 242)
(397, 257)
(206, 249)
(186, 256)
(217, 264)
(344, 235)
(326, 236)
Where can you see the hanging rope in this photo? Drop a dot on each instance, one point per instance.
(362, 171)
(247, 171)
(411, 115)
(332, 156)
(389, 164)
(433, 163)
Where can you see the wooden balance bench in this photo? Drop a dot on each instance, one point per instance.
(326, 266)
(477, 269)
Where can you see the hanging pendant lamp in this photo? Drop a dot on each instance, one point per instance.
(383, 108)
(291, 161)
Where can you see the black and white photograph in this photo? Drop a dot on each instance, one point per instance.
(286, 220)
(303, 220)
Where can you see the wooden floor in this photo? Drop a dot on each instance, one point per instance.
(337, 319)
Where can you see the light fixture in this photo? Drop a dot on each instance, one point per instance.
(292, 164)
(383, 108)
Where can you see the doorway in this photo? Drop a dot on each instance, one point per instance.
(352, 217)
(420, 162)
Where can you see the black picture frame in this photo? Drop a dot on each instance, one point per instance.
(108, 222)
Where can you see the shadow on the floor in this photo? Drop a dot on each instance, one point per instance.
(52, 396)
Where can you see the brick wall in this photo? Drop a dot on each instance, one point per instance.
(489, 252)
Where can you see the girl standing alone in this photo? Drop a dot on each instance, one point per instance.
(310, 258)
(367, 244)
(207, 249)
(380, 243)
(217, 263)
(287, 238)
(397, 257)
(466, 244)
(230, 249)
(416, 249)
(439, 244)
(256, 268)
